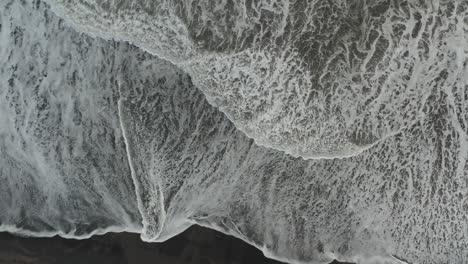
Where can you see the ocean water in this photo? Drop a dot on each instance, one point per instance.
(320, 79)
(313, 131)
(63, 159)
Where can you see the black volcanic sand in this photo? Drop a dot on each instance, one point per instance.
(197, 245)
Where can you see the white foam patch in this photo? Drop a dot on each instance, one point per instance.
(13, 229)
(65, 168)
(316, 80)
(363, 208)
(63, 164)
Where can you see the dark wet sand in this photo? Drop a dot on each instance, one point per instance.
(197, 245)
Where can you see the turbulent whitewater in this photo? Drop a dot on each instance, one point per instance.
(313, 130)
(317, 79)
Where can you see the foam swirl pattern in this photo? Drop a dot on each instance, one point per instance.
(317, 79)
(145, 151)
(404, 199)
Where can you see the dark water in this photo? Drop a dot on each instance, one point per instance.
(197, 245)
